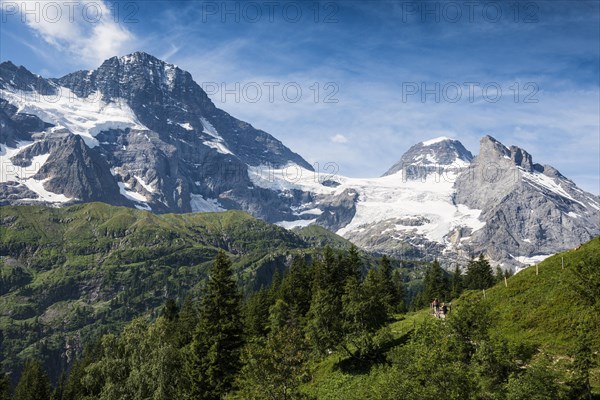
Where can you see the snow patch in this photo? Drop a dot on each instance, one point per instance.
(529, 260)
(547, 183)
(217, 142)
(200, 204)
(186, 126)
(301, 223)
(144, 184)
(435, 140)
(131, 195)
(219, 146)
(85, 117)
(45, 195)
(10, 172)
(312, 211)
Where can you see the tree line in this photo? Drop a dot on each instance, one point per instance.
(224, 345)
(262, 346)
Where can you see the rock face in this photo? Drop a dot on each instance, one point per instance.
(152, 137)
(530, 209)
(140, 132)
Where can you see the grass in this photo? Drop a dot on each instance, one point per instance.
(541, 308)
(535, 309)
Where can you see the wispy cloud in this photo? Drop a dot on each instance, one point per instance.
(339, 138)
(368, 55)
(89, 30)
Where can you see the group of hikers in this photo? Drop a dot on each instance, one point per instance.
(440, 310)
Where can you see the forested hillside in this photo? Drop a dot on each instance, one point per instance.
(326, 330)
(69, 275)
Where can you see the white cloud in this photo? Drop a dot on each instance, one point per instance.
(339, 138)
(85, 29)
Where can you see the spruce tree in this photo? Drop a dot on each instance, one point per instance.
(325, 313)
(214, 355)
(275, 367)
(296, 286)
(186, 322)
(364, 312)
(4, 386)
(353, 263)
(399, 292)
(256, 312)
(34, 383)
(499, 277)
(456, 284)
(479, 274)
(385, 284)
(435, 284)
(170, 311)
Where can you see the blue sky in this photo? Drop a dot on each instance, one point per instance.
(371, 61)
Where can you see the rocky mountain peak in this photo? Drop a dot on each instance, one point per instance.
(133, 75)
(20, 78)
(492, 151)
(432, 155)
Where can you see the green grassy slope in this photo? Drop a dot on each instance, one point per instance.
(542, 309)
(537, 310)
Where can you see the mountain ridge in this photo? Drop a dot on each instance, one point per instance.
(139, 132)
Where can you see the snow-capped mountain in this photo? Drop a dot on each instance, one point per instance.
(140, 132)
(431, 155)
(439, 201)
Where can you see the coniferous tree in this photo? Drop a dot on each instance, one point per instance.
(256, 312)
(353, 263)
(435, 284)
(328, 273)
(296, 286)
(385, 284)
(186, 322)
(456, 283)
(74, 388)
(214, 355)
(59, 391)
(34, 383)
(479, 274)
(170, 311)
(325, 313)
(499, 277)
(324, 324)
(399, 292)
(275, 367)
(275, 287)
(4, 386)
(364, 312)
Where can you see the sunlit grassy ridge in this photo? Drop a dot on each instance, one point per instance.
(542, 308)
(540, 311)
